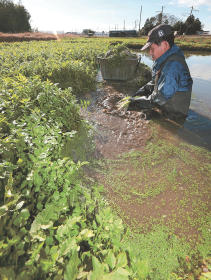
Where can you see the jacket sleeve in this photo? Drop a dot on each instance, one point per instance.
(157, 98)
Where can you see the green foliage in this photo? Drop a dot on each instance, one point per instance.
(117, 54)
(192, 25)
(52, 226)
(63, 63)
(156, 20)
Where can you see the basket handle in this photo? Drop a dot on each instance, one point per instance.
(139, 60)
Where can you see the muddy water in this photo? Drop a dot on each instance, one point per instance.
(197, 127)
(116, 130)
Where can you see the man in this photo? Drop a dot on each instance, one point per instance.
(171, 84)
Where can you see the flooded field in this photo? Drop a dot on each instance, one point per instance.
(152, 177)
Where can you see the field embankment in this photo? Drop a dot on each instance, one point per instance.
(186, 42)
(27, 36)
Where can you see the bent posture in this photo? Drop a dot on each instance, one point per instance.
(171, 84)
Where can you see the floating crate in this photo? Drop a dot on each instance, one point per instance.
(123, 71)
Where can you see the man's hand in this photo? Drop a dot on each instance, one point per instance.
(140, 92)
(139, 103)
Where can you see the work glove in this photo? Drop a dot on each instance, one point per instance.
(140, 92)
(139, 103)
(145, 90)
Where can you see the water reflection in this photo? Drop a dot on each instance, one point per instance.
(200, 128)
(200, 66)
(198, 122)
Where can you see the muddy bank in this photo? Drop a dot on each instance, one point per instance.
(116, 130)
(27, 36)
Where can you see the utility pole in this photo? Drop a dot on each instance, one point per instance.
(161, 14)
(139, 26)
(124, 25)
(192, 10)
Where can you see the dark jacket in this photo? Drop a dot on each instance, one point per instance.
(171, 84)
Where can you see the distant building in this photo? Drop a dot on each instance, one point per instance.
(203, 32)
(72, 33)
(101, 34)
(123, 33)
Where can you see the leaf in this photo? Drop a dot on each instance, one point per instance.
(49, 225)
(46, 264)
(119, 274)
(111, 260)
(3, 210)
(121, 260)
(54, 252)
(95, 263)
(37, 179)
(19, 205)
(35, 254)
(71, 270)
(64, 230)
(68, 246)
(45, 218)
(25, 213)
(86, 233)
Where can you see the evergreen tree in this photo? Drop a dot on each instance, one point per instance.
(14, 18)
(192, 25)
(156, 20)
(180, 27)
(149, 24)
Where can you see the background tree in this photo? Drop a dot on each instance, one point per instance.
(180, 27)
(192, 25)
(156, 20)
(14, 18)
(149, 24)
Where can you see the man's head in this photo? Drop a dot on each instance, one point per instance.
(160, 39)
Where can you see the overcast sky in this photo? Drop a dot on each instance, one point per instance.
(99, 15)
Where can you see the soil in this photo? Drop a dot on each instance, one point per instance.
(117, 130)
(33, 36)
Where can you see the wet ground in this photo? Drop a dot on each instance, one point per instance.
(116, 130)
(157, 184)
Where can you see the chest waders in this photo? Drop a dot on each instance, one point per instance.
(178, 105)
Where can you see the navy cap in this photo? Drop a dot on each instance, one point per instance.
(158, 34)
